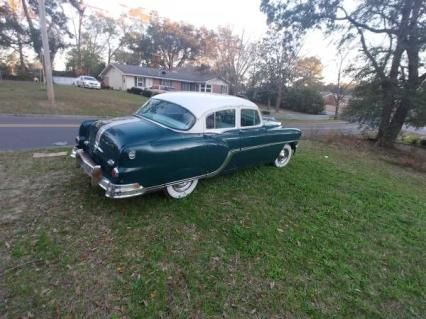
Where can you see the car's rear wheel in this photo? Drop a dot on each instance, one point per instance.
(181, 190)
(284, 156)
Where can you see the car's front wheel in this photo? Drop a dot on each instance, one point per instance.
(181, 190)
(284, 156)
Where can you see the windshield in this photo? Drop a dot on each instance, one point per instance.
(89, 78)
(168, 114)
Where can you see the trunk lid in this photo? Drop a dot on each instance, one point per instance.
(107, 138)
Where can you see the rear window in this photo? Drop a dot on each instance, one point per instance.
(168, 114)
(89, 78)
(221, 119)
(249, 117)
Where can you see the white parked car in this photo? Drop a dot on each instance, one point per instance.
(85, 81)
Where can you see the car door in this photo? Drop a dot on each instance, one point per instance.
(223, 138)
(256, 144)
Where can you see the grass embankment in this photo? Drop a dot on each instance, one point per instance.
(341, 236)
(20, 97)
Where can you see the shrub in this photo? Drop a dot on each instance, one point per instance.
(135, 90)
(19, 77)
(304, 100)
(147, 93)
(105, 87)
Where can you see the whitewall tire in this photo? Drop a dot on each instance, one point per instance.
(284, 156)
(181, 190)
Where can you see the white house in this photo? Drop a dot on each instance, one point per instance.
(123, 77)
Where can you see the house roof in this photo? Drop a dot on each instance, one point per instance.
(180, 75)
(200, 103)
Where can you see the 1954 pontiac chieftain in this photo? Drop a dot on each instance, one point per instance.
(175, 139)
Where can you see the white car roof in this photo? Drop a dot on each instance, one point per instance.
(199, 103)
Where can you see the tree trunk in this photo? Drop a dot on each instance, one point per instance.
(80, 22)
(109, 54)
(22, 66)
(389, 87)
(336, 112)
(47, 64)
(385, 119)
(278, 101)
(390, 127)
(34, 34)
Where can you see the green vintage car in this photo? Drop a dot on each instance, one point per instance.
(176, 139)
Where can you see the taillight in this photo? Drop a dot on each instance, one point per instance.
(114, 172)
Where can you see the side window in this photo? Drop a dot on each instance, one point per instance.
(249, 117)
(221, 119)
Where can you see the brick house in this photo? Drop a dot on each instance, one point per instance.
(123, 77)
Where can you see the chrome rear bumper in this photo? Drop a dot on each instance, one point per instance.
(94, 171)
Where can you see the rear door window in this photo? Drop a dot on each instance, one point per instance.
(249, 117)
(221, 119)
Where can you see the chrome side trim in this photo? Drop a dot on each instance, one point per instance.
(249, 148)
(129, 190)
(216, 172)
(228, 158)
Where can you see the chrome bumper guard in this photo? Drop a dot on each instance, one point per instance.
(94, 171)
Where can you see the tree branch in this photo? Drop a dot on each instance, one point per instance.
(376, 66)
(359, 25)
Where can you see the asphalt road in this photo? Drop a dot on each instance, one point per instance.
(32, 132)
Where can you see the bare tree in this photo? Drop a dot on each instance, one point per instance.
(234, 56)
(111, 33)
(341, 87)
(80, 6)
(279, 56)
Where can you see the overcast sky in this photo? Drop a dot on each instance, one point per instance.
(243, 15)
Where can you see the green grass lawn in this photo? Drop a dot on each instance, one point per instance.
(19, 97)
(342, 236)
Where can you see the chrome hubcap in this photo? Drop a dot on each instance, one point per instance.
(182, 187)
(282, 157)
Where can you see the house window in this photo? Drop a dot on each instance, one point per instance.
(166, 82)
(224, 89)
(185, 86)
(139, 81)
(221, 119)
(249, 117)
(205, 88)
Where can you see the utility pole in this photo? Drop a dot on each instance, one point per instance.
(46, 53)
